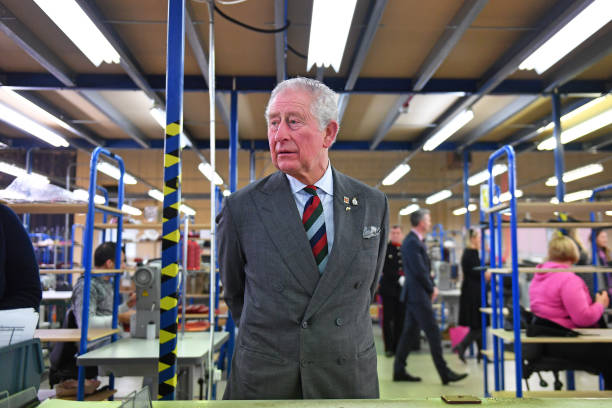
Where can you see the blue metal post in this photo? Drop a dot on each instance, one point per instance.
(483, 304)
(466, 187)
(175, 51)
(559, 159)
(233, 150)
(492, 262)
(500, 289)
(509, 151)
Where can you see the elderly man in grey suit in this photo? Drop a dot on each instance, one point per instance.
(300, 252)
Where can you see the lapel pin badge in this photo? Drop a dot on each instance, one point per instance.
(348, 208)
(346, 200)
(355, 201)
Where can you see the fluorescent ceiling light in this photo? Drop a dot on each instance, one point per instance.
(331, 22)
(26, 124)
(578, 195)
(187, 210)
(3, 145)
(576, 112)
(483, 176)
(83, 195)
(505, 196)
(79, 28)
(396, 174)
(609, 213)
(554, 200)
(463, 210)
(207, 170)
(159, 115)
(448, 130)
(156, 194)
(114, 172)
(15, 171)
(581, 129)
(226, 193)
(409, 209)
(131, 210)
(581, 27)
(576, 174)
(437, 197)
(31, 106)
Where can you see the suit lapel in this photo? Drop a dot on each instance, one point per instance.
(347, 240)
(281, 219)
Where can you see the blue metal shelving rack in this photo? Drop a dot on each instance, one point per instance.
(88, 254)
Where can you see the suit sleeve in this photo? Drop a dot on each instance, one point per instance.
(421, 273)
(231, 262)
(382, 248)
(19, 265)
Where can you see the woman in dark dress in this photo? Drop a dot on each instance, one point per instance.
(469, 302)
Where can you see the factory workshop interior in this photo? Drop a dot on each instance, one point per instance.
(464, 203)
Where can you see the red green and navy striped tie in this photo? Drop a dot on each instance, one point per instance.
(314, 224)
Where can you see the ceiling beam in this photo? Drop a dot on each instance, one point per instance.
(497, 119)
(16, 30)
(197, 48)
(33, 81)
(280, 40)
(365, 42)
(447, 41)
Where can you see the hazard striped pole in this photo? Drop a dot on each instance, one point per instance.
(172, 201)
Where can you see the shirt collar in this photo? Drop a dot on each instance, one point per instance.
(418, 234)
(325, 183)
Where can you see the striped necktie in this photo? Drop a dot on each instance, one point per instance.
(314, 224)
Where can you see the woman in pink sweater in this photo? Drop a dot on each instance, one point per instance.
(563, 298)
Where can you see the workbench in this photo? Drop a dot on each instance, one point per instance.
(139, 357)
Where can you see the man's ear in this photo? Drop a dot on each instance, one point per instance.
(109, 264)
(331, 130)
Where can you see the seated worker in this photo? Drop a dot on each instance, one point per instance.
(64, 371)
(563, 298)
(19, 278)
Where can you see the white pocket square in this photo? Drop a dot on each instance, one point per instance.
(371, 231)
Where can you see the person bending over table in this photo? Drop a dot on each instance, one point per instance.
(563, 298)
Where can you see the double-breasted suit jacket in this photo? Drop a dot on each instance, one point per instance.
(301, 334)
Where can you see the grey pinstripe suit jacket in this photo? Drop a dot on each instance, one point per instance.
(301, 334)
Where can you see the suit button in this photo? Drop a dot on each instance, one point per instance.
(303, 362)
(357, 285)
(339, 322)
(304, 324)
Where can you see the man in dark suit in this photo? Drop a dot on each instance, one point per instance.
(300, 252)
(390, 291)
(418, 293)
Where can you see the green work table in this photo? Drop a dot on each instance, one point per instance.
(399, 403)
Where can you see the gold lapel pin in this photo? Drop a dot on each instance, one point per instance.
(346, 200)
(348, 208)
(355, 201)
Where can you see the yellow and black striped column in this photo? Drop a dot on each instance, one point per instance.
(172, 201)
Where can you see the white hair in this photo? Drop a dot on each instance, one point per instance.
(324, 105)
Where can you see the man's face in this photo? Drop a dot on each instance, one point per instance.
(426, 222)
(396, 235)
(297, 146)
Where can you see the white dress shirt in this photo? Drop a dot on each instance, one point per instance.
(325, 191)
